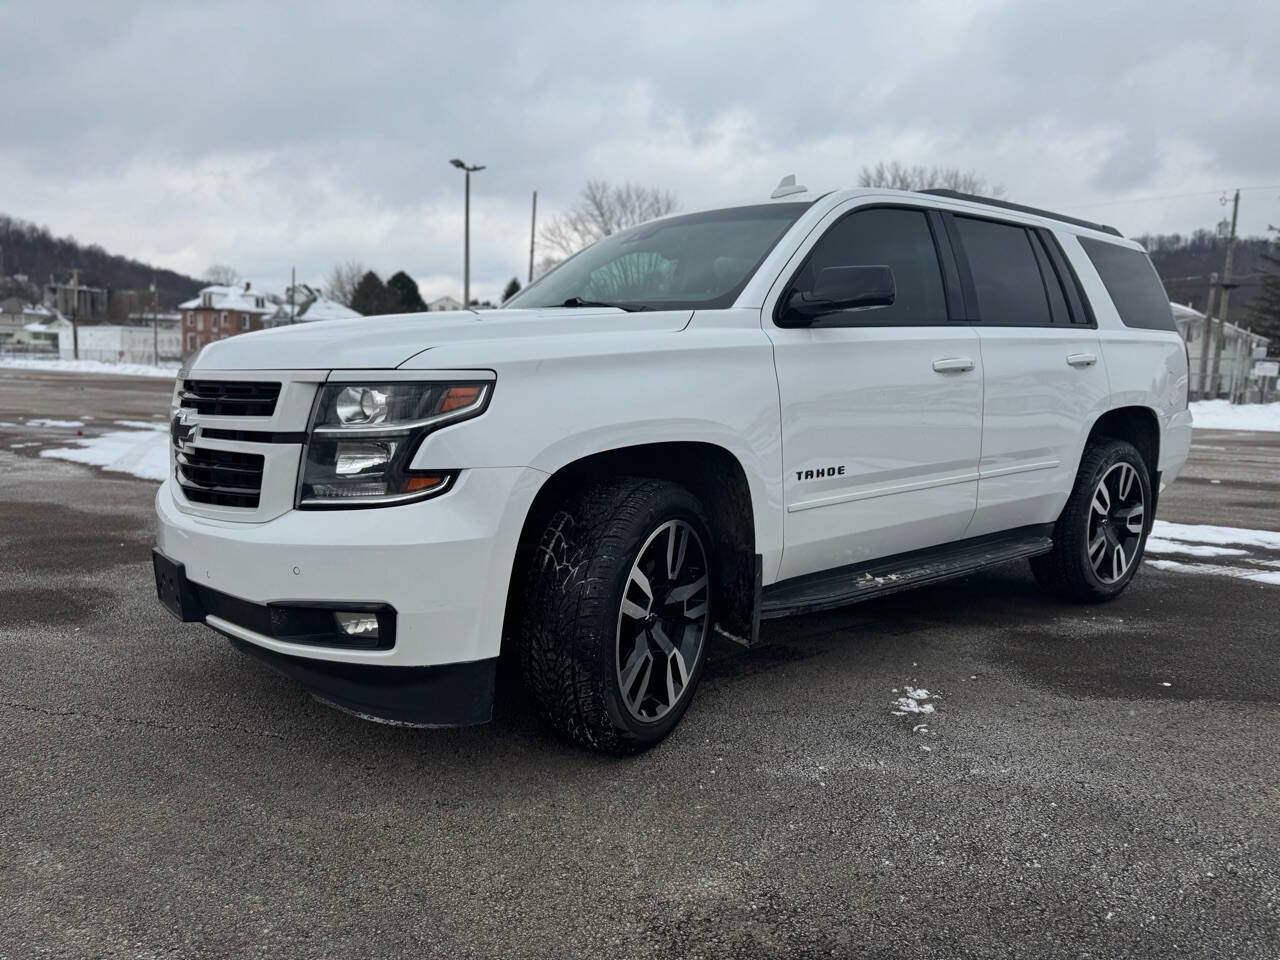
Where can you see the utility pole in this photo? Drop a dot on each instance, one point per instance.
(466, 232)
(155, 329)
(533, 232)
(1226, 292)
(1206, 344)
(293, 282)
(75, 313)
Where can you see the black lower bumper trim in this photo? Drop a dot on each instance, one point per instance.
(446, 695)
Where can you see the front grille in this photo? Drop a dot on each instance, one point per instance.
(221, 478)
(230, 398)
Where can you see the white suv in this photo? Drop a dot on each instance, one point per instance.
(696, 424)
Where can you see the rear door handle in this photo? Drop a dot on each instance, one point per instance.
(1082, 359)
(957, 364)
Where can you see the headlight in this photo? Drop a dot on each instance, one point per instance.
(363, 436)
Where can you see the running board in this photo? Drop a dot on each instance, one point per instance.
(853, 584)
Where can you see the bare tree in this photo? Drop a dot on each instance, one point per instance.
(603, 209)
(343, 280)
(896, 176)
(222, 275)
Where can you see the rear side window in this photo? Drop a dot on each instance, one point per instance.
(900, 239)
(1132, 283)
(1007, 277)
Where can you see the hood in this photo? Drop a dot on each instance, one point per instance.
(386, 342)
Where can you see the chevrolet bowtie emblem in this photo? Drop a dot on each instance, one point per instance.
(184, 431)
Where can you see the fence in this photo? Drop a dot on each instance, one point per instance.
(27, 351)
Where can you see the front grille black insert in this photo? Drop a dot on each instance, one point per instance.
(221, 478)
(230, 398)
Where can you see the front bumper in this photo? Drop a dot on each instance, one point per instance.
(444, 695)
(442, 565)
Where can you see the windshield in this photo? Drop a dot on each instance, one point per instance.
(697, 261)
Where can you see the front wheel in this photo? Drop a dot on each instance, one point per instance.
(617, 612)
(1100, 536)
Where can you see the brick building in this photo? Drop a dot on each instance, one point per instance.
(220, 312)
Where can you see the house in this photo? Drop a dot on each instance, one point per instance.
(444, 303)
(1238, 350)
(305, 304)
(41, 336)
(16, 316)
(224, 311)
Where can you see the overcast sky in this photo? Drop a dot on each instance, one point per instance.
(264, 135)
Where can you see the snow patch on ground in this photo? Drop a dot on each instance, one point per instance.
(1156, 545)
(914, 701)
(1205, 533)
(68, 424)
(142, 453)
(141, 424)
(167, 372)
(1203, 540)
(1224, 415)
(1219, 570)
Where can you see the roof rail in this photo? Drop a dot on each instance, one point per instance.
(1006, 205)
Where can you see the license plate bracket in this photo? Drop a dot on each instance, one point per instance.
(174, 590)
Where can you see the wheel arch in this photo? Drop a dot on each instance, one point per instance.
(712, 473)
(1139, 426)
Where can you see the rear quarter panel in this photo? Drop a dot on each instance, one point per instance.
(1146, 368)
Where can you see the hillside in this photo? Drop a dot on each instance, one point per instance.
(1185, 263)
(36, 252)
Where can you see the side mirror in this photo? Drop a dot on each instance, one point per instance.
(841, 288)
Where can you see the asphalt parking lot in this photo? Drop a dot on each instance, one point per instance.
(1093, 782)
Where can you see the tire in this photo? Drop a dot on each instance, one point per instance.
(604, 661)
(1090, 543)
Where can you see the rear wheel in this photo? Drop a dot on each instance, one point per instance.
(1100, 536)
(617, 611)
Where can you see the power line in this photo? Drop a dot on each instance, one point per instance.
(1171, 196)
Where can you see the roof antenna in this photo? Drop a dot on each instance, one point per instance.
(787, 186)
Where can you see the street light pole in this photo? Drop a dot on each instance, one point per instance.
(466, 232)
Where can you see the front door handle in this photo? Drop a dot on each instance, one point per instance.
(1082, 359)
(956, 364)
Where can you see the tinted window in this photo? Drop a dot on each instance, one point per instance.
(899, 239)
(700, 260)
(1052, 283)
(1133, 284)
(1006, 276)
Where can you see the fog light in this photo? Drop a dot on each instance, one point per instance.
(356, 624)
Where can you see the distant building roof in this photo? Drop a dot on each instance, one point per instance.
(322, 308)
(444, 303)
(1185, 315)
(240, 299)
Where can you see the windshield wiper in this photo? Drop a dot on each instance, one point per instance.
(579, 302)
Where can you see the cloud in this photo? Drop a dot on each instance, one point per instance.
(275, 135)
